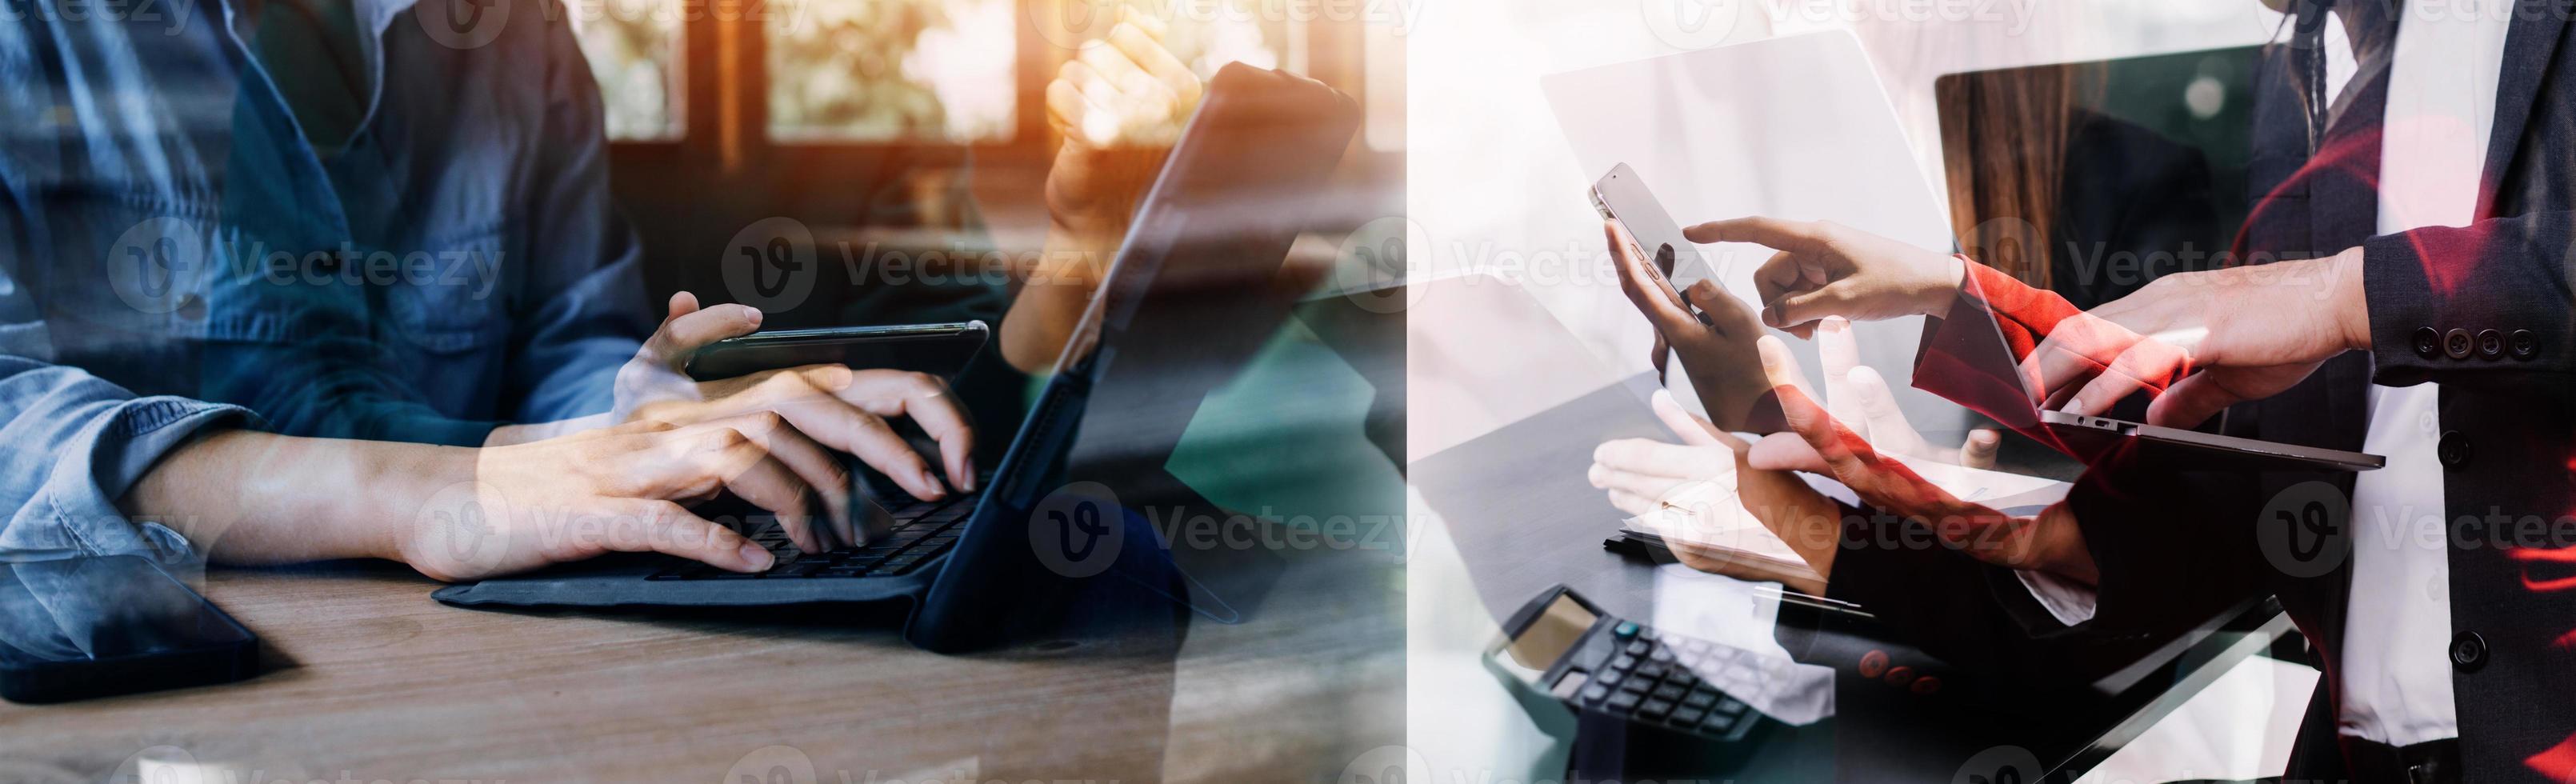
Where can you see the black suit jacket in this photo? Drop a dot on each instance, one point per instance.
(2484, 310)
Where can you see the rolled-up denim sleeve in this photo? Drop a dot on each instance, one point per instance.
(587, 314)
(77, 443)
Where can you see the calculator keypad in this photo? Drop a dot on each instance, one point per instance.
(1667, 681)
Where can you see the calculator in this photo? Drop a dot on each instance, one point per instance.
(1565, 650)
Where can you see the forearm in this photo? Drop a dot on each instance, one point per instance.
(1053, 294)
(1806, 520)
(250, 497)
(507, 435)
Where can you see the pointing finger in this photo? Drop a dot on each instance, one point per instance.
(1774, 233)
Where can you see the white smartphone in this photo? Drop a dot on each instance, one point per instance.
(1623, 196)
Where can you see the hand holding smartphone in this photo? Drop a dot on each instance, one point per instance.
(937, 349)
(1622, 196)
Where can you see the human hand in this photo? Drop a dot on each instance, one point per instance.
(1717, 354)
(1120, 105)
(841, 408)
(1859, 398)
(1684, 492)
(1643, 477)
(2048, 541)
(2250, 332)
(627, 489)
(1825, 269)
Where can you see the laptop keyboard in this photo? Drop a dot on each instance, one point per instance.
(922, 531)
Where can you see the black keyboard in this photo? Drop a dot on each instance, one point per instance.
(921, 532)
(1655, 679)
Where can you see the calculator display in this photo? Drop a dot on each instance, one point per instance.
(1549, 635)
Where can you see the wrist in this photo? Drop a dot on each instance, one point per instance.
(1942, 289)
(2350, 305)
(1093, 191)
(420, 484)
(2064, 554)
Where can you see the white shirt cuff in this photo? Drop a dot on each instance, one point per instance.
(2068, 602)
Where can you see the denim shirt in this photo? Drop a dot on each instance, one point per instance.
(175, 257)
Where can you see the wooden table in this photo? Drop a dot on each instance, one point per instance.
(369, 679)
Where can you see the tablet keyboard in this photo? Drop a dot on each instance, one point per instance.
(922, 531)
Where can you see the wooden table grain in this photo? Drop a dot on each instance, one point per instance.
(368, 679)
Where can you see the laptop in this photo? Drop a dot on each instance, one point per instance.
(1188, 290)
(2097, 136)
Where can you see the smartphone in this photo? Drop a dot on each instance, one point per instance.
(1622, 196)
(97, 626)
(937, 349)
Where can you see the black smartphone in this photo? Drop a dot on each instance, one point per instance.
(937, 349)
(77, 628)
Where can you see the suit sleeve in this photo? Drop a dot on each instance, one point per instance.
(1971, 614)
(2477, 304)
(2174, 548)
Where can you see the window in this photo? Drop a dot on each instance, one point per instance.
(634, 50)
(893, 71)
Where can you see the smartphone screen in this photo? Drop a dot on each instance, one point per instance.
(82, 610)
(1623, 196)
